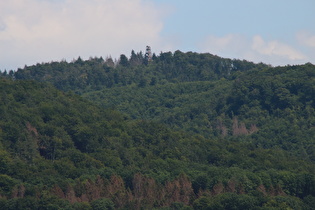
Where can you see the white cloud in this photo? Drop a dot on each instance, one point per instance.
(228, 45)
(34, 31)
(275, 48)
(254, 49)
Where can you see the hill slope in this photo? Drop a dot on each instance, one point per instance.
(95, 73)
(269, 107)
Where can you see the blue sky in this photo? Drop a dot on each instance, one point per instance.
(277, 32)
(283, 30)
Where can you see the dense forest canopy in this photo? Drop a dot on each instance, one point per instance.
(96, 73)
(181, 131)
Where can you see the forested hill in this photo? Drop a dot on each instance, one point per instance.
(95, 73)
(198, 93)
(183, 131)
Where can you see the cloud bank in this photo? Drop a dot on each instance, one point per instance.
(256, 49)
(33, 31)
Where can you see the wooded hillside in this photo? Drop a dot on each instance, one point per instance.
(183, 131)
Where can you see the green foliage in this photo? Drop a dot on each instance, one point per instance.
(102, 203)
(95, 73)
(27, 203)
(234, 201)
(6, 184)
(228, 201)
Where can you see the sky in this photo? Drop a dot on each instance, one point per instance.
(276, 32)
